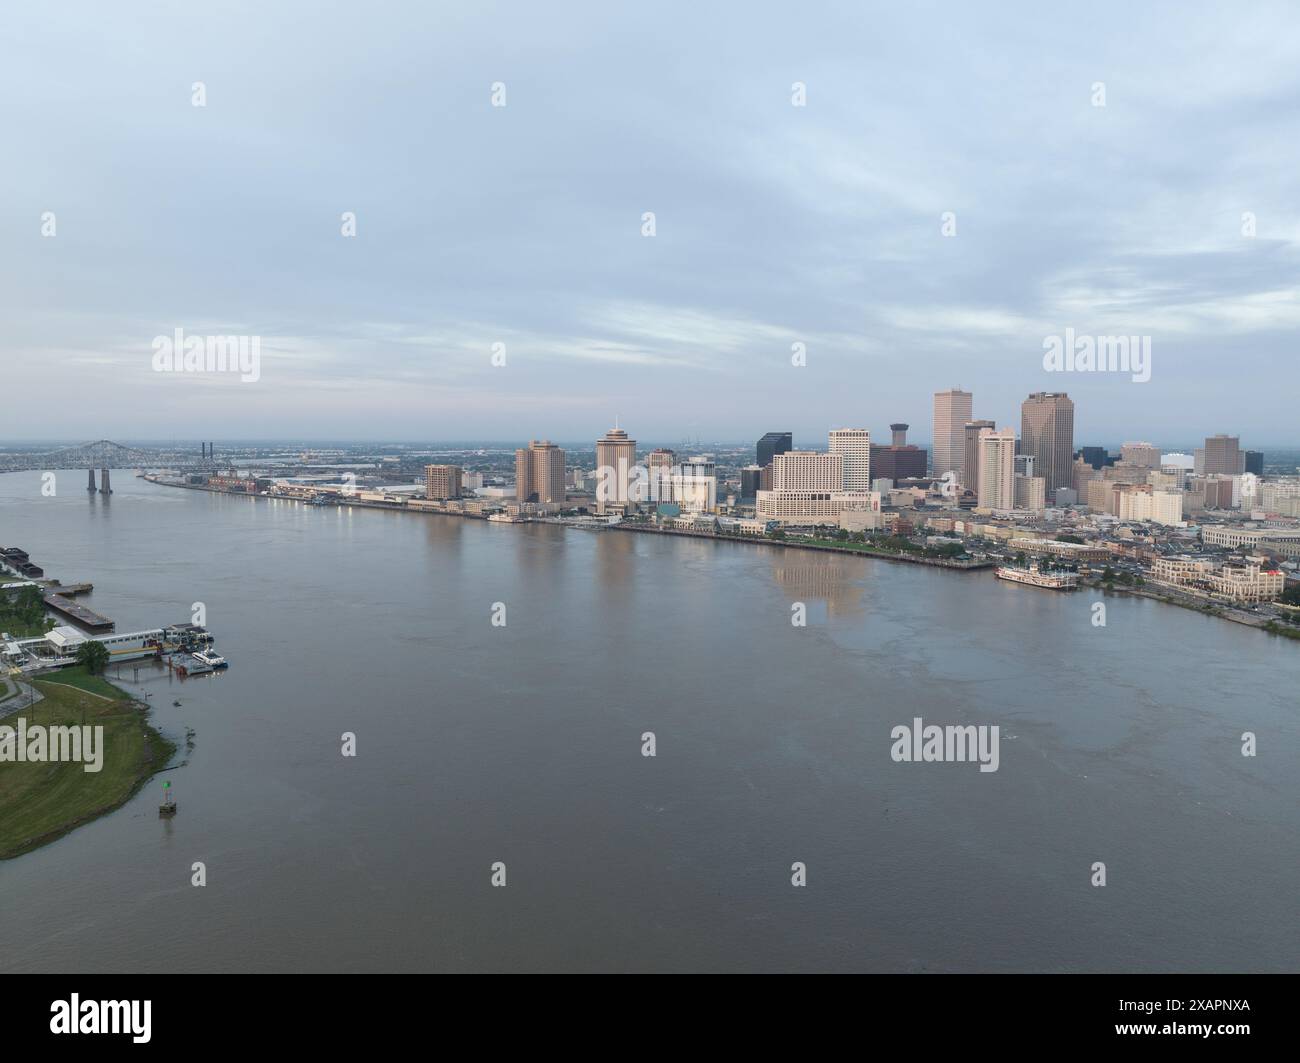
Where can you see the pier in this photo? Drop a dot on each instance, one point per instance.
(78, 614)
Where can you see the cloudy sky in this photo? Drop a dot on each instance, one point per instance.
(522, 225)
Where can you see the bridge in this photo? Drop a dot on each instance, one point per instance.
(104, 454)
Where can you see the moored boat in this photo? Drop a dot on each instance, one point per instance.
(1033, 577)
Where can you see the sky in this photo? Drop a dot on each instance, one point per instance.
(949, 195)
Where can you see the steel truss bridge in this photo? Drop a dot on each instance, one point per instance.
(105, 454)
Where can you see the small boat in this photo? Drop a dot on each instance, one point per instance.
(211, 658)
(176, 704)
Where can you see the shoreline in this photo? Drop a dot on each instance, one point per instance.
(126, 723)
(1218, 610)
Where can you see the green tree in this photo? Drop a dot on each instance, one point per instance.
(94, 655)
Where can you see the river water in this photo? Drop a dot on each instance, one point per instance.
(521, 744)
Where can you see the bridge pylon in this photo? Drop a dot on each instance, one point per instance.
(90, 480)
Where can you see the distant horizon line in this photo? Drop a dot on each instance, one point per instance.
(468, 442)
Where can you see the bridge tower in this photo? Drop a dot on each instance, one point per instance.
(104, 488)
(90, 480)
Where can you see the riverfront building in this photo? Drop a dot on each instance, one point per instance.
(807, 487)
(539, 473)
(615, 460)
(442, 481)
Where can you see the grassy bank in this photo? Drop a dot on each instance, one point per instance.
(41, 802)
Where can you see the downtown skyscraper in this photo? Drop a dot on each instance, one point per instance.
(853, 445)
(952, 409)
(539, 473)
(1047, 432)
(772, 444)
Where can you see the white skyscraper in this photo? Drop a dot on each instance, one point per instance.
(853, 445)
(997, 469)
(951, 412)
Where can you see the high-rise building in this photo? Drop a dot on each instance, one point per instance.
(951, 412)
(660, 458)
(442, 481)
(751, 479)
(1145, 454)
(898, 434)
(806, 487)
(970, 477)
(694, 484)
(853, 445)
(997, 485)
(539, 473)
(1223, 456)
(1255, 462)
(807, 470)
(1024, 465)
(1097, 457)
(1047, 432)
(615, 460)
(772, 444)
(1030, 493)
(907, 462)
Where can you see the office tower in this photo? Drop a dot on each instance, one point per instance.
(970, 472)
(951, 412)
(1223, 456)
(1255, 462)
(751, 480)
(907, 462)
(1141, 454)
(853, 445)
(539, 473)
(1097, 457)
(899, 434)
(1047, 432)
(772, 444)
(442, 481)
(997, 484)
(1031, 493)
(1024, 465)
(1083, 473)
(659, 469)
(615, 460)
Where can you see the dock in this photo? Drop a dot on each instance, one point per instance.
(78, 614)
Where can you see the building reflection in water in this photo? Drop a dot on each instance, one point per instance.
(808, 576)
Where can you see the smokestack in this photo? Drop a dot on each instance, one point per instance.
(900, 434)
